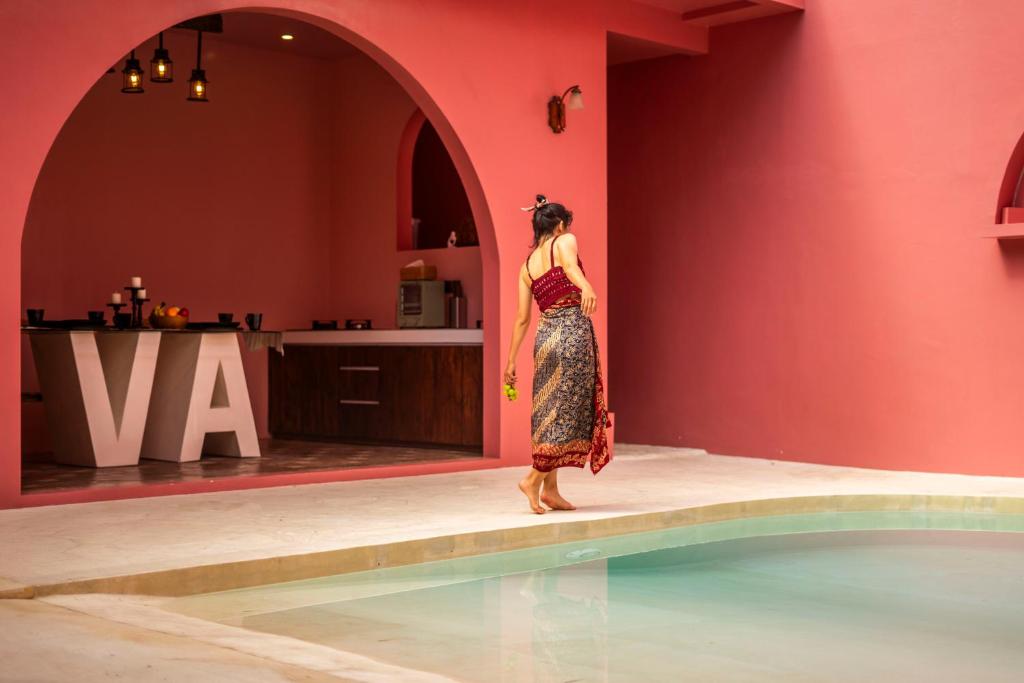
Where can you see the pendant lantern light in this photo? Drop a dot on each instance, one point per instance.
(197, 84)
(132, 75)
(161, 68)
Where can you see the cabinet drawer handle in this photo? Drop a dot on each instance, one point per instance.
(360, 368)
(352, 401)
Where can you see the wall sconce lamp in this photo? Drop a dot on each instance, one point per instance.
(557, 107)
(132, 75)
(161, 68)
(197, 84)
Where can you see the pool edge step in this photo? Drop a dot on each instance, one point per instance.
(208, 578)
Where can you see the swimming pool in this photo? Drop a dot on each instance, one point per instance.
(825, 596)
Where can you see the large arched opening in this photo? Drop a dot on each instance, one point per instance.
(106, 255)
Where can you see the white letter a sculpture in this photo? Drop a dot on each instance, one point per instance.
(200, 401)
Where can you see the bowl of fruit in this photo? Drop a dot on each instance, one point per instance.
(166, 317)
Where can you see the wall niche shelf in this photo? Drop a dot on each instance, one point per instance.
(1012, 227)
(1009, 218)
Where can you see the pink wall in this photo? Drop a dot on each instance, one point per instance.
(370, 110)
(222, 206)
(798, 213)
(485, 91)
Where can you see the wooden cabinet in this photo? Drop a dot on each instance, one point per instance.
(361, 407)
(427, 395)
(303, 392)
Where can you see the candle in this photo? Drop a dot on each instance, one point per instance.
(115, 298)
(136, 281)
(142, 294)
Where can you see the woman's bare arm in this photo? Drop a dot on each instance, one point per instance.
(521, 325)
(567, 249)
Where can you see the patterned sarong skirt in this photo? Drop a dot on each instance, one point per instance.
(569, 416)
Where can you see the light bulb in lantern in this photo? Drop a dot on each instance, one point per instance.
(197, 84)
(161, 68)
(132, 75)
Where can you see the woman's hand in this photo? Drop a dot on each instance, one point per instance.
(588, 300)
(510, 373)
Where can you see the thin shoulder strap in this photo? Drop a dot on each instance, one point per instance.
(527, 264)
(553, 249)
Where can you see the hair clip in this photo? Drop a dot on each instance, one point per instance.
(536, 206)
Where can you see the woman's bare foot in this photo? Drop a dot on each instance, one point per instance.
(553, 499)
(530, 486)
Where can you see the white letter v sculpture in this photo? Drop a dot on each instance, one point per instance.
(96, 389)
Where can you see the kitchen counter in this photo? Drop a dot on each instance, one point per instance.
(128, 330)
(113, 396)
(444, 336)
(396, 386)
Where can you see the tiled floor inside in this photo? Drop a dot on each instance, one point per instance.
(40, 474)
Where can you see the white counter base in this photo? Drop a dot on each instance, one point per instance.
(112, 396)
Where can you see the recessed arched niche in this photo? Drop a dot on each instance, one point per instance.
(1009, 216)
(433, 208)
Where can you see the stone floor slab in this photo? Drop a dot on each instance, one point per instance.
(93, 541)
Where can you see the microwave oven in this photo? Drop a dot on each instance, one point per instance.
(421, 303)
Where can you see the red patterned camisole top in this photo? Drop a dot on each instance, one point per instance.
(554, 284)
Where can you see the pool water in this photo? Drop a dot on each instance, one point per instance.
(838, 597)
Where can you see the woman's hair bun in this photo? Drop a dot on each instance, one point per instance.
(547, 216)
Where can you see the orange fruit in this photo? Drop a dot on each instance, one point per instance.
(173, 310)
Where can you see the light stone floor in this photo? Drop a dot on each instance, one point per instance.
(49, 545)
(87, 637)
(44, 642)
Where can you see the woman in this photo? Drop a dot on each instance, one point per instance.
(569, 416)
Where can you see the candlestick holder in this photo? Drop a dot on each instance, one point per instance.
(117, 310)
(137, 312)
(136, 306)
